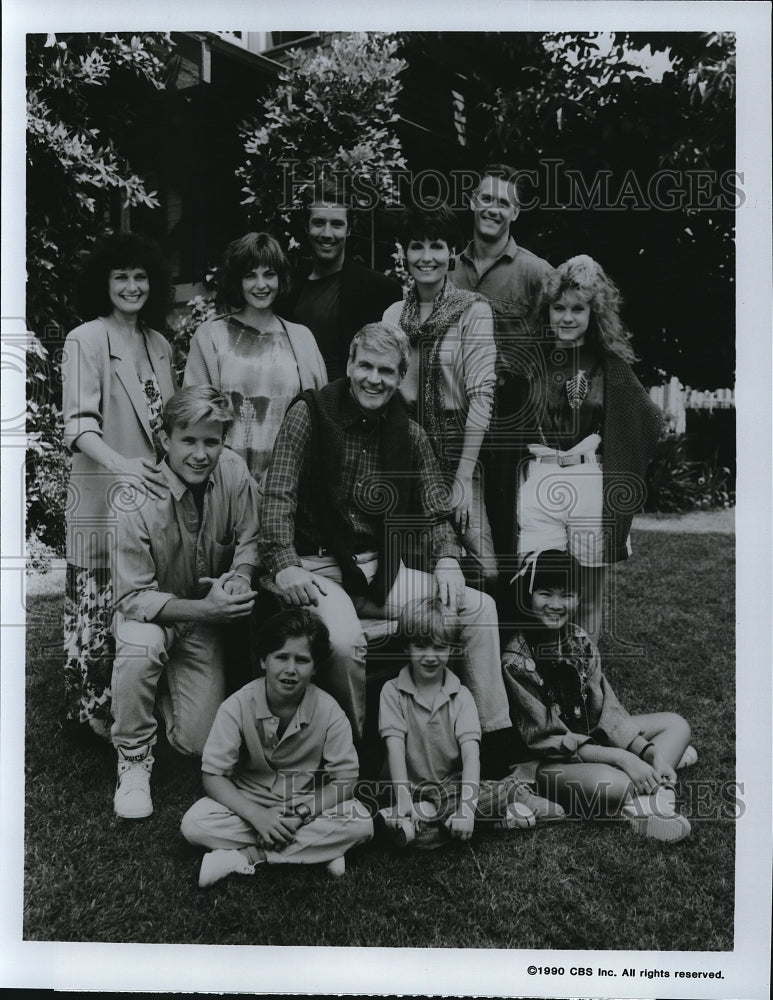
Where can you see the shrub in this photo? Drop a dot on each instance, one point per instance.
(47, 475)
(182, 327)
(677, 483)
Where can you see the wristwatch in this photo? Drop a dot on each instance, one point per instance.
(303, 812)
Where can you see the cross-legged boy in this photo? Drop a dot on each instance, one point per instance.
(431, 729)
(279, 766)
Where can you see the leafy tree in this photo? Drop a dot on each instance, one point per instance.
(594, 127)
(331, 113)
(82, 94)
(662, 154)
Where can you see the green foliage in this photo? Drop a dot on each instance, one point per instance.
(47, 475)
(332, 111)
(182, 327)
(677, 483)
(619, 110)
(81, 89)
(80, 92)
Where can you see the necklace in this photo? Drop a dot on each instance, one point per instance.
(577, 389)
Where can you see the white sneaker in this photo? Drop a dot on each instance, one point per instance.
(669, 829)
(661, 803)
(517, 817)
(219, 863)
(132, 792)
(337, 867)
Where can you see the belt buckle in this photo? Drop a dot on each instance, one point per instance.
(564, 460)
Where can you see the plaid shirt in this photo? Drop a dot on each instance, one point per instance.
(290, 525)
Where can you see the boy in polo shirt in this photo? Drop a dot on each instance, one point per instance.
(265, 802)
(430, 725)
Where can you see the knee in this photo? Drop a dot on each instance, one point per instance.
(480, 607)
(191, 828)
(347, 640)
(679, 726)
(139, 641)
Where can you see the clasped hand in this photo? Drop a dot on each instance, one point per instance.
(275, 828)
(229, 597)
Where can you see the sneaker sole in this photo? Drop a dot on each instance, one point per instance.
(142, 815)
(668, 829)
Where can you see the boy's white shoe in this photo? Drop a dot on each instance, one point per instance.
(517, 817)
(219, 863)
(132, 791)
(337, 867)
(545, 810)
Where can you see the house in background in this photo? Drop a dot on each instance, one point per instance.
(186, 142)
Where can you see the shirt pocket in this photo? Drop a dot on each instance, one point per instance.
(222, 553)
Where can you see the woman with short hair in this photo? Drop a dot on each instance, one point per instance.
(258, 359)
(450, 381)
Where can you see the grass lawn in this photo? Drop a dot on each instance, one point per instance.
(90, 877)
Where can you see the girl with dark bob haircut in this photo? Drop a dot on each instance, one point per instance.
(258, 359)
(244, 255)
(294, 623)
(125, 250)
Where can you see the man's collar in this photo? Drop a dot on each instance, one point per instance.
(510, 250)
(176, 486)
(351, 412)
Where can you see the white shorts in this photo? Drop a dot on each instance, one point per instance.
(560, 508)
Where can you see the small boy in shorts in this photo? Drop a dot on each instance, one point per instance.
(431, 729)
(265, 802)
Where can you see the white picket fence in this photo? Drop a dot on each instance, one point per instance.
(675, 399)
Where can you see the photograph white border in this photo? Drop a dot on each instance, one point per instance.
(260, 970)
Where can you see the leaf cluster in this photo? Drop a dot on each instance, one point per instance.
(331, 112)
(80, 92)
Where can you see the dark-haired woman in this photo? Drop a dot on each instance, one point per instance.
(260, 360)
(116, 376)
(451, 377)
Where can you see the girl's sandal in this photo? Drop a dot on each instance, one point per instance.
(689, 757)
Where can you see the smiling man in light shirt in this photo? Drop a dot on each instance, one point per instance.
(351, 475)
(510, 277)
(182, 572)
(492, 263)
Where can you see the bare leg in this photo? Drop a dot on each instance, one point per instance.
(591, 791)
(668, 731)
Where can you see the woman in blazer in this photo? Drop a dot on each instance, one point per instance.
(116, 376)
